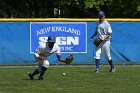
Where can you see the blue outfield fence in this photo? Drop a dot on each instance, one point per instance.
(16, 39)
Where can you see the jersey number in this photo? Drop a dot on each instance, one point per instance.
(102, 31)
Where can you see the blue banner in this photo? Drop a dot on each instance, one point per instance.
(19, 39)
(70, 36)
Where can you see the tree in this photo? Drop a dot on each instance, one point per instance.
(69, 8)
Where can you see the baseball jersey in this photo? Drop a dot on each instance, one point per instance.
(103, 28)
(45, 48)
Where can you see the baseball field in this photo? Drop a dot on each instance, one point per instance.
(83, 79)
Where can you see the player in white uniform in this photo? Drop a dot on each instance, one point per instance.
(103, 31)
(44, 50)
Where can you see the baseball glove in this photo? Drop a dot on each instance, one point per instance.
(97, 42)
(69, 59)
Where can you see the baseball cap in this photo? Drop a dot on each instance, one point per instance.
(51, 39)
(101, 14)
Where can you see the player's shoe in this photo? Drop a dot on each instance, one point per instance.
(97, 71)
(30, 76)
(40, 78)
(112, 70)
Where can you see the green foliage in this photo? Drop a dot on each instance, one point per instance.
(94, 3)
(69, 8)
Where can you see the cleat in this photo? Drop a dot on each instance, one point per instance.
(40, 78)
(30, 76)
(112, 70)
(97, 71)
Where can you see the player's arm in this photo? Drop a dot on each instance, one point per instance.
(60, 58)
(93, 35)
(56, 49)
(67, 60)
(107, 36)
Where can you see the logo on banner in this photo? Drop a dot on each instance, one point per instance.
(70, 36)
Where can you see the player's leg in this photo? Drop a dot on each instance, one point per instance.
(42, 72)
(36, 71)
(43, 69)
(31, 75)
(106, 49)
(97, 58)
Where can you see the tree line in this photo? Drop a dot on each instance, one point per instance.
(69, 8)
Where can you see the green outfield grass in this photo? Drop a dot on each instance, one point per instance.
(77, 80)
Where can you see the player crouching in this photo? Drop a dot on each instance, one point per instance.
(44, 50)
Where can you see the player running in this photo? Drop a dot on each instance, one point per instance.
(42, 52)
(103, 31)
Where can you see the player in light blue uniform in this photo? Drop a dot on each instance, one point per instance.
(103, 31)
(45, 49)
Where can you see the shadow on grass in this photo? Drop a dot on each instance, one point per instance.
(26, 79)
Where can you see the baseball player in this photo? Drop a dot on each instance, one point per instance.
(103, 32)
(44, 50)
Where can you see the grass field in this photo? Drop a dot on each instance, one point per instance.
(77, 80)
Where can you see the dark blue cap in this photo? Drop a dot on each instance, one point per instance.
(101, 14)
(51, 39)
